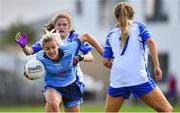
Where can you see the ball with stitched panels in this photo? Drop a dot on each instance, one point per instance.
(34, 69)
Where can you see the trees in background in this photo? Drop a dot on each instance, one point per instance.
(7, 37)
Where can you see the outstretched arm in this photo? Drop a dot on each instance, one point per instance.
(92, 41)
(154, 56)
(21, 41)
(28, 50)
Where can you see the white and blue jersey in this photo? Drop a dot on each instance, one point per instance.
(60, 73)
(130, 62)
(84, 48)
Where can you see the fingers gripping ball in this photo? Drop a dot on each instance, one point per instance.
(34, 69)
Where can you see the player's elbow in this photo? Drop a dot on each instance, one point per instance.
(85, 37)
(91, 59)
(88, 57)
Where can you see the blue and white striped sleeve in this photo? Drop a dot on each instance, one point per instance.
(85, 48)
(108, 53)
(144, 31)
(36, 47)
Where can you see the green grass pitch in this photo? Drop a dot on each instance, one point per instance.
(84, 108)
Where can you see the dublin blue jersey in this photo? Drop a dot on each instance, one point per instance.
(60, 73)
(130, 62)
(84, 48)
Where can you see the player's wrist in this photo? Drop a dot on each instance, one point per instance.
(81, 57)
(23, 46)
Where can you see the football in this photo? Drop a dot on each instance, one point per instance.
(34, 69)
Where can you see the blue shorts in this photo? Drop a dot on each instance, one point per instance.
(71, 94)
(137, 90)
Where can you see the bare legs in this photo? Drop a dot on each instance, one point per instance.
(54, 100)
(154, 99)
(113, 104)
(157, 100)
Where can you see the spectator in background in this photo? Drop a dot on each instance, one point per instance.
(172, 89)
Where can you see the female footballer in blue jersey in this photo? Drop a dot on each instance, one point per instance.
(62, 23)
(61, 83)
(125, 53)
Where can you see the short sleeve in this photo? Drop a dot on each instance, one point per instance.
(144, 31)
(36, 47)
(85, 48)
(108, 53)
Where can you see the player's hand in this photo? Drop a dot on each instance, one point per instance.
(77, 59)
(21, 39)
(157, 73)
(27, 75)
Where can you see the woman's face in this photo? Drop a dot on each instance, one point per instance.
(63, 27)
(51, 50)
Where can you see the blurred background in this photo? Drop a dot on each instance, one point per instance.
(89, 16)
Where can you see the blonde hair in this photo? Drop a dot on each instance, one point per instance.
(123, 13)
(52, 22)
(50, 36)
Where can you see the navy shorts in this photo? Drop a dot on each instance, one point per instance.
(71, 94)
(137, 90)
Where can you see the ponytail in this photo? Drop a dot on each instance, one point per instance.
(123, 13)
(48, 27)
(123, 23)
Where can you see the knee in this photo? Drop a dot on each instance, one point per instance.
(54, 105)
